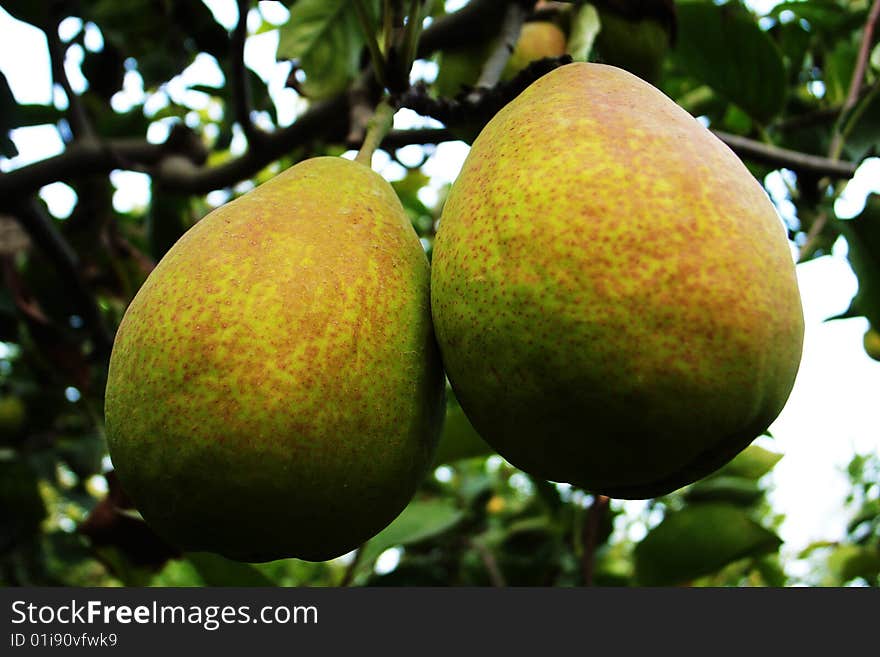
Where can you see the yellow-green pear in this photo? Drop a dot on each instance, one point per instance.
(613, 293)
(460, 68)
(871, 342)
(274, 388)
(537, 40)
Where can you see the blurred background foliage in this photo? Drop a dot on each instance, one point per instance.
(782, 78)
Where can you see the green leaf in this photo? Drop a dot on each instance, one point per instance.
(733, 490)
(863, 237)
(697, 541)
(325, 38)
(751, 463)
(421, 520)
(838, 70)
(850, 561)
(863, 127)
(723, 47)
(220, 571)
(584, 29)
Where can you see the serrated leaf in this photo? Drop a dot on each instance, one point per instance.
(420, 520)
(863, 237)
(722, 46)
(751, 463)
(697, 541)
(325, 38)
(220, 571)
(585, 27)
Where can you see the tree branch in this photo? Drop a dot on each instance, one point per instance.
(80, 125)
(755, 151)
(46, 236)
(176, 168)
(855, 84)
(839, 138)
(241, 88)
(514, 18)
(461, 28)
(495, 575)
(591, 537)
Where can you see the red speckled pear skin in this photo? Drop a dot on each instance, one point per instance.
(275, 389)
(612, 291)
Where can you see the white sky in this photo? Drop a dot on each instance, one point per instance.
(831, 412)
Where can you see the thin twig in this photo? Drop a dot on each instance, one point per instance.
(514, 18)
(839, 137)
(591, 537)
(241, 88)
(376, 56)
(45, 235)
(351, 569)
(855, 84)
(377, 128)
(80, 125)
(775, 156)
(491, 564)
(411, 37)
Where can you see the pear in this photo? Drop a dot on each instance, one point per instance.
(460, 68)
(537, 39)
(613, 293)
(871, 342)
(274, 388)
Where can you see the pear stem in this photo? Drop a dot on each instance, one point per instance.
(378, 126)
(376, 56)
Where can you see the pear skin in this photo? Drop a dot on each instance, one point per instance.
(274, 388)
(613, 293)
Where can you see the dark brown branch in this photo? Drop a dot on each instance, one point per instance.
(323, 121)
(399, 138)
(855, 84)
(173, 164)
(477, 110)
(80, 125)
(46, 236)
(470, 24)
(491, 564)
(755, 151)
(241, 88)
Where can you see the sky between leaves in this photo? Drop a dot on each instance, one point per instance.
(832, 411)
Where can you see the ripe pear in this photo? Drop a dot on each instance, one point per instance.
(871, 342)
(613, 293)
(275, 389)
(460, 68)
(537, 40)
